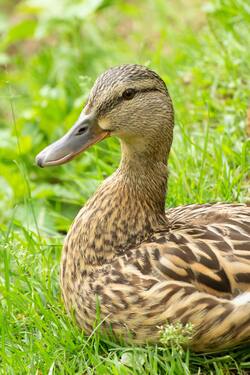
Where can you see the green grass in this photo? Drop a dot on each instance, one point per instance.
(49, 57)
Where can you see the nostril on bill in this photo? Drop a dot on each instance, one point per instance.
(82, 130)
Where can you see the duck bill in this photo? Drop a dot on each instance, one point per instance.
(85, 133)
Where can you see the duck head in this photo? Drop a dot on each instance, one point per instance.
(128, 101)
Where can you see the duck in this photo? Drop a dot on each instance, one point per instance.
(126, 258)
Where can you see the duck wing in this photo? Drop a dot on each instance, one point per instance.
(193, 273)
(207, 245)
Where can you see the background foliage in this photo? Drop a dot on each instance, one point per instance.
(50, 55)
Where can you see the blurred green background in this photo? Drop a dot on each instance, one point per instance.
(50, 54)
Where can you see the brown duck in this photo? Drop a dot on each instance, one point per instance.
(149, 267)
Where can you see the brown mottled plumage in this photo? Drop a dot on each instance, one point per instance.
(149, 267)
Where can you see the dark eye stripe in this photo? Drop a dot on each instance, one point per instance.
(148, 90)
(112, 103)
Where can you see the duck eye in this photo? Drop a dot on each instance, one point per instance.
(128, 94)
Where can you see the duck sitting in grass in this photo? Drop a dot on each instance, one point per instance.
(149, 268)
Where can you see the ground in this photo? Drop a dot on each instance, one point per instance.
(50, 54)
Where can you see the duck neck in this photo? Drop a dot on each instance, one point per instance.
(125, 210)
(144, 174)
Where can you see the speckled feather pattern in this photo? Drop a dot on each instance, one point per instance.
(148, 267)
